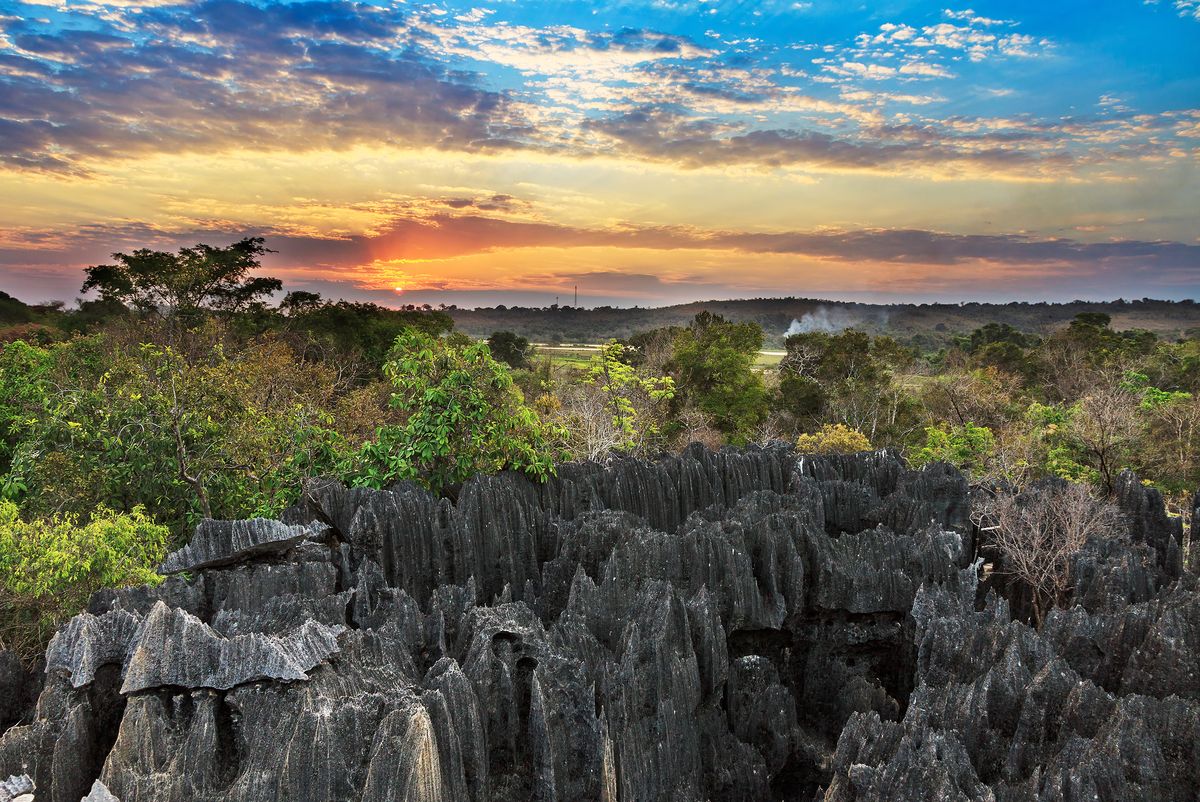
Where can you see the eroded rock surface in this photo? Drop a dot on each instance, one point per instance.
(734, 625)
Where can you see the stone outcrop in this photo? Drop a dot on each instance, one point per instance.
(219, 543)
(734, 625)
(99, 793)
(16, 787)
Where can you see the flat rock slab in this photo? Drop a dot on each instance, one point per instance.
(218, 543)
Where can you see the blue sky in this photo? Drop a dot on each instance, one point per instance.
(651, 152)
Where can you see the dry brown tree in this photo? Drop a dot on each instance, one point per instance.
(1038, 532)
(1106, 425)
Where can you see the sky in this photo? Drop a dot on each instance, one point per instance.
(643, 152)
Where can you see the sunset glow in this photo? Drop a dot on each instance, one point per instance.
(648, 153)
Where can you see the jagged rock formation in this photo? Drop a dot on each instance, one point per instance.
(738, 625)
(16, 789)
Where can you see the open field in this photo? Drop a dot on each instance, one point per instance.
(578, 355)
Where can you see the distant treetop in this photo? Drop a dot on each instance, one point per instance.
(200, 277)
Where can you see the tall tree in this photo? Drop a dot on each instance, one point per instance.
(196, 278)
(715, 363)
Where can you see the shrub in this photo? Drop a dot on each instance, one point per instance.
(833, 438)
(50, 568)
(968, 447)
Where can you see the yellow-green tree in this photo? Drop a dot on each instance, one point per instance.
(833, 438)
(50, 568)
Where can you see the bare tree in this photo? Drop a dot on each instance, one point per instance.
(1038, 532)
(1069, 374)
(1105, 425)
(588, 420)
(983, 397)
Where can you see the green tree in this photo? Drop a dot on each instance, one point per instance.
(464, 416)
(616, 407)
(848, 377)
(298, 302)
(50, 568)
(196, 278)
(511, 349)
(714, 362)
(344, 330)
(229, 435)
(24, 392)
(968, 447)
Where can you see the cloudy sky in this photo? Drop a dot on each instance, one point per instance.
(646, 152)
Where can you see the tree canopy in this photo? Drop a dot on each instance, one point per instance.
(714, 359)
(195, 278)
(463, 415)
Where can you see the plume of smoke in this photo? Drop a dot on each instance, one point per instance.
(819, 319)
(833, 321)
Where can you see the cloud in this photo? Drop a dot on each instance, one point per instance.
(666, 135)
(968, 33)
(924, 70)
(442, 235)
(560, 48)
(453, 256)
(1186, 8)
(969, 16)
(227, 74)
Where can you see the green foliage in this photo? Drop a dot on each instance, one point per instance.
(50, 568)
(97, 423)
(511, 349)
(200, 277)
(968, 446)
(833, 438)
(714, 360)
(1091, 320)
(13, 311)
(1006, 356)
(1056, 452)
(849, 377)
(1152, 398)
(1091, 337)
(361, 331)
(992, 334)
(802, 396)
(464, 416)
(620, 384)
(24, 392)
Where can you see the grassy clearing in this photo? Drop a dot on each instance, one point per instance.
(577, 356)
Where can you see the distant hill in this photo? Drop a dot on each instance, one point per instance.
(924, 325)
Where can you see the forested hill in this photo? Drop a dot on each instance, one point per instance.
(929, 325)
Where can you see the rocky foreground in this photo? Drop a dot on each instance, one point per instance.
(741, 625)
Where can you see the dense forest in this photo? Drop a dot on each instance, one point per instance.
(183, 391)
(927, 326)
